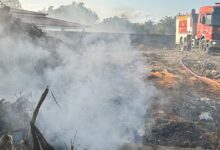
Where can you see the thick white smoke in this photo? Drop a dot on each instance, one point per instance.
(98, 84)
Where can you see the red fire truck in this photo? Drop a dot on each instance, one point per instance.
(199, 30)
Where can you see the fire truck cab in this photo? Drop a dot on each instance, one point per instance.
(200, 30)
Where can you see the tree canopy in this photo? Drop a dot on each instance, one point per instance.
(165, 25)
(75, 12)
(11, 3)
(79, 13)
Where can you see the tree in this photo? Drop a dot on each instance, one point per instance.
(166, 25)
(122, 25)
(75, 12)
(150, 27)
(12, 3)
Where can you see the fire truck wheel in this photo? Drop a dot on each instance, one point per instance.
(203, 45)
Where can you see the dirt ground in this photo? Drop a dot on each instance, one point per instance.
(186, 113)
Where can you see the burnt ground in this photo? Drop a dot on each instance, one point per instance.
(186, 113)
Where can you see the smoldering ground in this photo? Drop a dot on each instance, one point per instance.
(98, 83)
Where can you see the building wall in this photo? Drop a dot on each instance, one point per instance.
(148, 40)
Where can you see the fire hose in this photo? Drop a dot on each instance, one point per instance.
(203, 78)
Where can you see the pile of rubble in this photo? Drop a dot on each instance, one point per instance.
(28, 134)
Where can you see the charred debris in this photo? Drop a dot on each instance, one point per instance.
(28, 137)
(31, 137)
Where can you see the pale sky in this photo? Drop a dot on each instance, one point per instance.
(136, 9)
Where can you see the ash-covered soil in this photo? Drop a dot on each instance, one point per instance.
(186, 112)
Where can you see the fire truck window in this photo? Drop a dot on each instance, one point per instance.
(203, 20)
(217, 10)
(216, 19)
(208, 19)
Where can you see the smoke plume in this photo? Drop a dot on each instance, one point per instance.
(98, 83)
